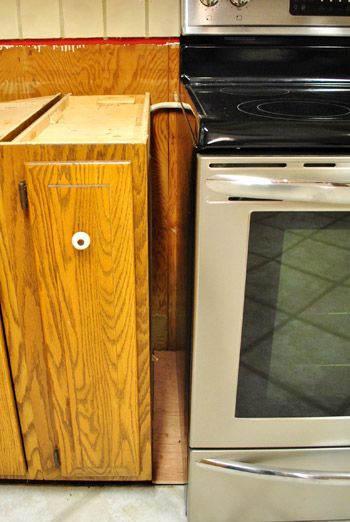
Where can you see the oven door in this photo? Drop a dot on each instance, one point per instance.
(271, 356)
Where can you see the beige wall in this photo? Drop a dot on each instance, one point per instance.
(89, 18)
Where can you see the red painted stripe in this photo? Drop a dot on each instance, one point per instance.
(90, 41)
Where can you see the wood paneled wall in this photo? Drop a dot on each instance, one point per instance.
(29, 71)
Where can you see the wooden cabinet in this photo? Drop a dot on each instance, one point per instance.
(75, 287)
(12, 463)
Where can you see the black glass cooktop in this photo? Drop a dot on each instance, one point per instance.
(255, 92)
(274, 115)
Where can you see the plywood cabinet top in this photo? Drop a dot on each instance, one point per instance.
(92, 119)
(17, 114)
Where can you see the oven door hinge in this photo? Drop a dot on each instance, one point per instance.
(23, 194)
(57, 458)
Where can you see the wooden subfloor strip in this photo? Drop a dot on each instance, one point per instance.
(169, 436)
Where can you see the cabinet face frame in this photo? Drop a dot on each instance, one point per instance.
(23, 317)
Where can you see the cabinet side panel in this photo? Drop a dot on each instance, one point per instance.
(11, 454)
(88, 308)
(140, 196)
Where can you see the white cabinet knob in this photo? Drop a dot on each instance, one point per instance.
(81, 240)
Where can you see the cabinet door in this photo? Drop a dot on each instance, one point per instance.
(87, 300)
(12, 463)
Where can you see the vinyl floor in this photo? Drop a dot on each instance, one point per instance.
(27, 503)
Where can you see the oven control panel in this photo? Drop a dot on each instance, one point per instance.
(290, 17)
(237, 3)
(320, 7)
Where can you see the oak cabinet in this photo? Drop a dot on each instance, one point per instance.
(75, 287)
(12, 463)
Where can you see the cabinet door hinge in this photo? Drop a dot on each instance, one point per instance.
(23, 194)
(56, 458)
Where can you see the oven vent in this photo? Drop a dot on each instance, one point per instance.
(268, 165)
(319, 165)
(247, 165)
(232, 198)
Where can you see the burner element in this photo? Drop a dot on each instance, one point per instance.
(294, 109)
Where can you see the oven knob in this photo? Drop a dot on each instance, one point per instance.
(209, 3)
(239, 3)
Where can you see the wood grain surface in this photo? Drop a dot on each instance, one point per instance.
(31, 71)
(160, 250)
(29, 356)
(16, 115)
(180, 223)
(170, 445)
(118, 69)
(12, 463)
(88, 312)
(91, 119)
(21, 317)
(103, 69)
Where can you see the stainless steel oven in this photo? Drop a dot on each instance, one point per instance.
(269, 87)
(271, 352)
(272, 303)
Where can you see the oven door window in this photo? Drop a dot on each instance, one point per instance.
(295, 351)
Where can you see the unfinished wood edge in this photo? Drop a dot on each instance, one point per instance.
(39, 124)
(124, 141)
(182, 371)
(142, 130)
(20, 127)
(118, 99)
(174, 482)
(169, 447)
(140, 134)
(147, 115)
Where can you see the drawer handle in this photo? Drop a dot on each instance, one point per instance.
(262, 471)
(81, 240)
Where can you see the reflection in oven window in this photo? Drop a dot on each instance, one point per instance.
(295, 351)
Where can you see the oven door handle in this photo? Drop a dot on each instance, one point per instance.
(340, 477)
(256, 187)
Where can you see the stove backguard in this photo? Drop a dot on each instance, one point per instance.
(259, 59)
(295, 17)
